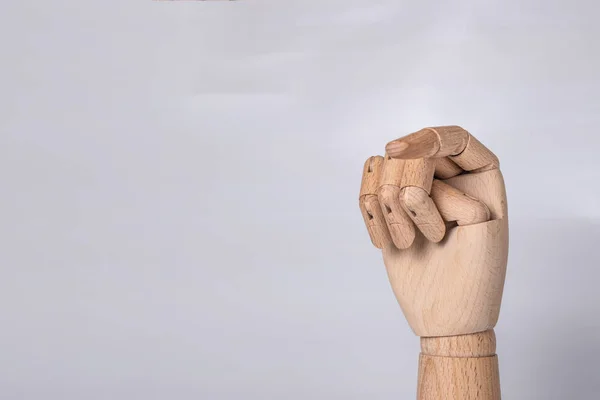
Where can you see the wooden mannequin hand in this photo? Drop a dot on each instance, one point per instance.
(436, 206)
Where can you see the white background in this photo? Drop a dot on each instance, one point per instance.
(179, 186)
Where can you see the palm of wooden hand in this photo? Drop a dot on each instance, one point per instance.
(448, 275)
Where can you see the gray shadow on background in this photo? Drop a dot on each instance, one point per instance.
(550, 317)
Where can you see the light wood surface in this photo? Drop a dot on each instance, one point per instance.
(480, 344)
(369, 203)
(446, 168)
(400, 226)
(475, 156)
(371, 176)
(455, 286)
(392, 171)
(424, 213)
(455, 205)
(445, 249)
(375, 221)
(459, 368)
(417, 179)
(418, 173)
(450, 378)
(440, 141)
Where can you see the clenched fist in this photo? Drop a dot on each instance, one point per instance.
(436, 206)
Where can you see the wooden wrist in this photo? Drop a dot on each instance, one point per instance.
(461, 367)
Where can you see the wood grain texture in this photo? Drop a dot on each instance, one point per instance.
(453, 139)
(418, 173)
(417, 178)
(476, 156)
(454, 378)
(371, 176)
(480, 344)
(374, 221)
(400, 226)
(421, 144)
(487, 187)
(454, 287)
(459, 367)
(458, 206)
(391, 171)
(421, 209)
(448, 279)
(439, 141)
(369, 203)
(446, 168)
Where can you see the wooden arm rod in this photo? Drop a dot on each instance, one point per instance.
(459, 368)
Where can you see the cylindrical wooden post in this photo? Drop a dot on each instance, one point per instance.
(459, 368)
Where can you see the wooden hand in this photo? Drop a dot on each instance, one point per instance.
(436, 206)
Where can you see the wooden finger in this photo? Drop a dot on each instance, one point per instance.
(476, 157)
(417, 179)
(374, 220)
(445, 168)
(452, 141)
(391, 171)
(400, 226)
(487, 187)
(369, 203)
(422, 210)
(439, 141)
(371, 175)
(455, 205)
(418, 173)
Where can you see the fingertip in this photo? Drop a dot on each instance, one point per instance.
(456, 205)
(400, 226)
(424, 213)
(396, 148)
(421, 144)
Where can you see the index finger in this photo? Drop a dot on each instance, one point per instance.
(444, 141)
